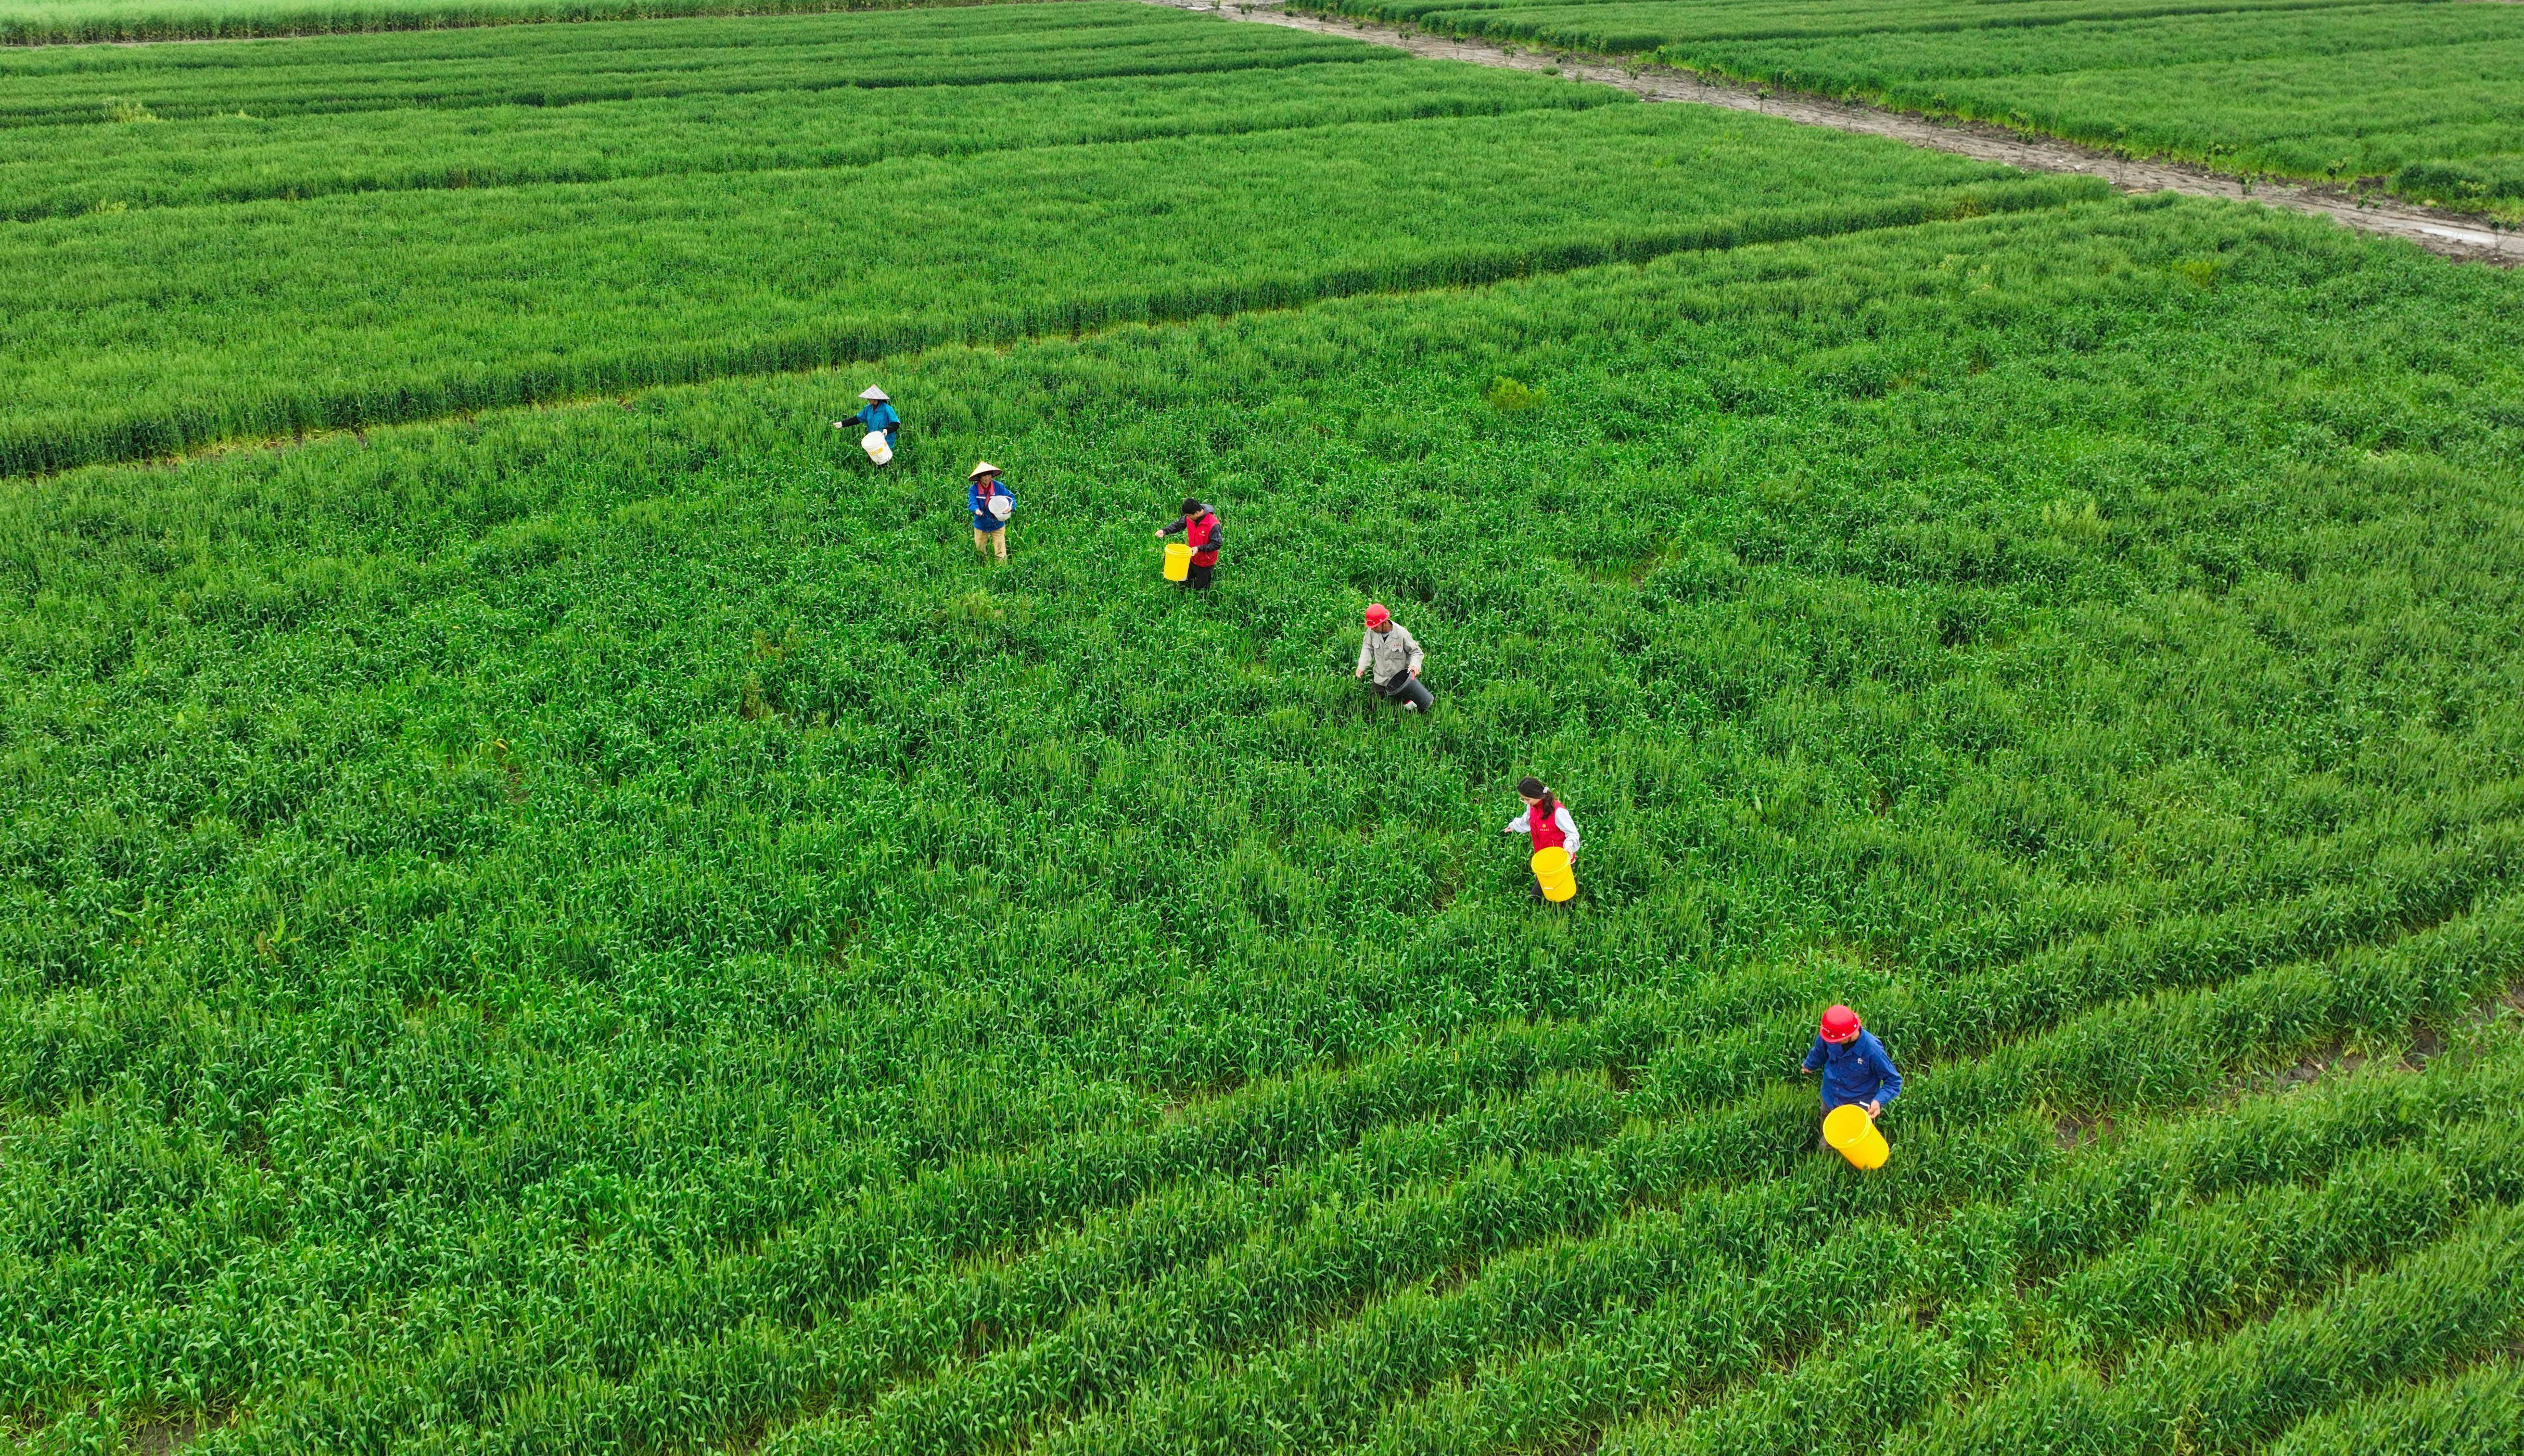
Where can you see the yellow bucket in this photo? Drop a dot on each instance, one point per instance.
(1553, 872)
(1178, 562)
(1852, 1132)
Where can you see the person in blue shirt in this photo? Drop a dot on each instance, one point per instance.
(992, 504)
(877, 415)
(1855, 1067)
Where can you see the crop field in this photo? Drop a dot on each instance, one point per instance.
(547, 905)
(2421, 97)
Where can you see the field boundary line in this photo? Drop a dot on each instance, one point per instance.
(2447, 234)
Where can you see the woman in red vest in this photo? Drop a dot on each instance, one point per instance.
(1546, 821)
(1205, 535)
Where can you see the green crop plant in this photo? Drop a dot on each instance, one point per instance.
(1687, 1344)
(2473, 1410)
(2305, 1133)
(2411, 95)
(2452, 1299)
(2195, 1269)
(1630, 1333)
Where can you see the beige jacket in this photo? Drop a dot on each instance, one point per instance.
(1388, 655)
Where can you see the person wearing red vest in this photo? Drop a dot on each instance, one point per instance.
(1201, 532)
(1546, 821)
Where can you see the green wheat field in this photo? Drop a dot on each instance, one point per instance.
(547, 905)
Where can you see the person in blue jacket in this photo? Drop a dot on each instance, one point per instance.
(877, 415)
(1855, 1066)
(992, 504)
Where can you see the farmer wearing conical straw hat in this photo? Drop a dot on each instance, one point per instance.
(876, 417)
(1856, 1069)
(992, 503)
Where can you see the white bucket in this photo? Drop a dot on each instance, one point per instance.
(1002, 508)
(873, 442)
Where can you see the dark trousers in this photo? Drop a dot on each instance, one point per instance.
(1198, 581)
(1407, 689)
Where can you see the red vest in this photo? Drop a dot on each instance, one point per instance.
(1197, 535)
(1542, 821)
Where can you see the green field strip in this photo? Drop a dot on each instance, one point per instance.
(2322, 92)
(1450, 1224)
(912, 1241)
(887, 40)
(1968, 1016)
(2447, 1303)
(886, 36)
(990, 1302)
(1335, 1258)
(1649, 27)
(440, 303)
(1880, 60)
(67, 22)
(936, 26)
(725, 1295)
(2392, 108)
(1892, 17)
(92, 98)
(747, 1367)
(2196, 1267)
(2180, 1040)
(2190, 1267)
(60, 172)
(1613, 1329)
(2319, 92)
(2474, 1410)
(879, 1336)
(109, 101)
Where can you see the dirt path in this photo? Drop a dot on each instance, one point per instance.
(2439, 232)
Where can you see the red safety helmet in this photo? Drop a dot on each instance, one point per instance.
(1839, 1024)
(1377, 615)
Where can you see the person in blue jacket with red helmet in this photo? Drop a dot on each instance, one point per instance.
(1855, 1066)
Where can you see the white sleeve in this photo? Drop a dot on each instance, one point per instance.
(1366, 646)
(1518, 825)
(1569, 827)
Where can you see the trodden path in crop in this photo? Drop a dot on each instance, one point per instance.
(2451, 235)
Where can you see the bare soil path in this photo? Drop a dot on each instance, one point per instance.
(2454, 237)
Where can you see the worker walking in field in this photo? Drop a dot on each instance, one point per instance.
(992, 503)
(1547, 823)
(1856, 1069)
(1392, 654)
(1202, 532)
(876, 419)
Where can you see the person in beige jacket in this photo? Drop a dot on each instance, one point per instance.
(1393, 654)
